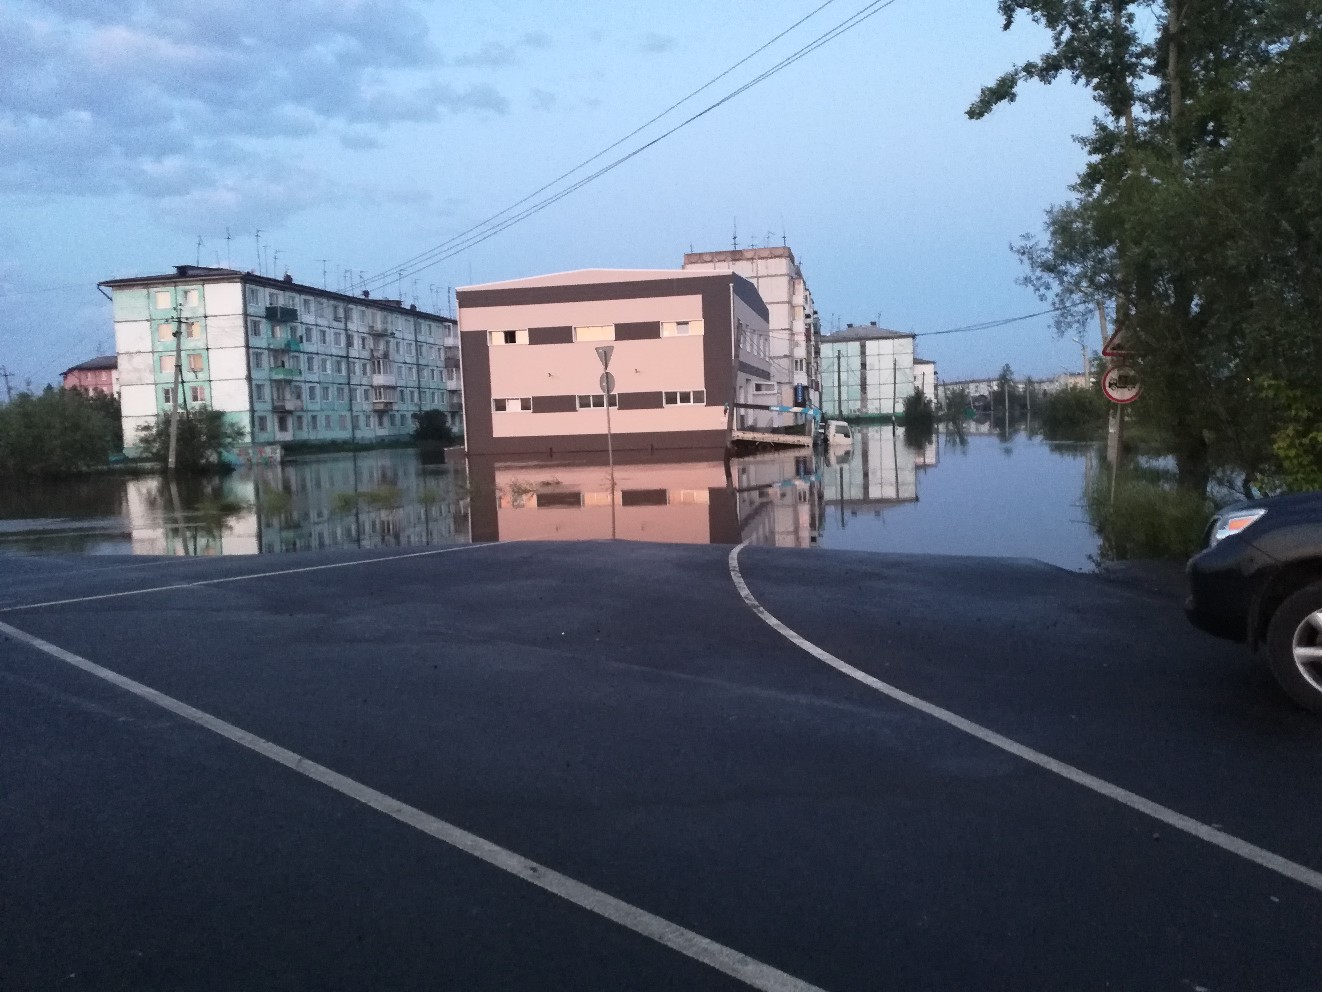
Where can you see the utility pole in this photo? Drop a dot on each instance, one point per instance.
(9, 390)
(178, 386)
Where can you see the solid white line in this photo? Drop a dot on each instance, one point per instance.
(717, 956)
(1250, 852)
(240, 578)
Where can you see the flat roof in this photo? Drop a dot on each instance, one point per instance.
(207, 273)
(865, 332)
(588, 277)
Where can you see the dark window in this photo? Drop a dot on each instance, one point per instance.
(643, 497)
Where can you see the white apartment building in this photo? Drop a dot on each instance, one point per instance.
(285, 361)
(796, 329)
(867, 371)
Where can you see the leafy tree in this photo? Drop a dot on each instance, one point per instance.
(60, 432)
(432, 425)
(1072, 413)
(1197, 184)
(203, 436)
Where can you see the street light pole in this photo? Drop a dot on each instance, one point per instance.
(178, 385)
(607, 382)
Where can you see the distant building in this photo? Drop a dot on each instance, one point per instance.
(792, 316)
(688, 348)
(981, 389)
(924, 377)
(867, 371)
(98, 375)
(284, 361)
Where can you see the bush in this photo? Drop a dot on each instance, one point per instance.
(918, 413)
(432, 425)
(1147, 519)
(1072, 413)
(60, 432)
(203, 436)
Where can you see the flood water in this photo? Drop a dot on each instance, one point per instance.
(974, 495)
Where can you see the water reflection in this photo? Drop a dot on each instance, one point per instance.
(691, 498)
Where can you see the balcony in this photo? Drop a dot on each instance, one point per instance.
(383, 379)
(286, 405)
(286, 344)
(383, 405)
(282, 315)
(284, 372)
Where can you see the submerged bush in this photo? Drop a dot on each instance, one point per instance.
(1146, 519)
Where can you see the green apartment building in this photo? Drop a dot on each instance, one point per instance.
(285, 361)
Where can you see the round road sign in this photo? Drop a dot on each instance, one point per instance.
(607, 382)
(1120, 384)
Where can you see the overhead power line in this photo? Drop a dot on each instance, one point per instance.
(388, 274)
(453, 247)
(990, 324)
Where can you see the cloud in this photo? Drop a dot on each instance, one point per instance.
(359, 141)
(542, 99)
(654, 44)
(183, 101)
(500, 55)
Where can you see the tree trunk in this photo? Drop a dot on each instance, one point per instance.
(1193, 466)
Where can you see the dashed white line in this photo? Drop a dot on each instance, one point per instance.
(241, 578)
(1219, 838)
(726, 960)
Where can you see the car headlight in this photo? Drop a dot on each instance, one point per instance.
(1233, 522)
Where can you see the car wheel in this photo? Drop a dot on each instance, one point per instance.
(1294, 646)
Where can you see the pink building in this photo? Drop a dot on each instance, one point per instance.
(100, 375)
(689, 349)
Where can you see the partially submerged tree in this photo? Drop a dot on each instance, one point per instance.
(204, 435)
(60, 432)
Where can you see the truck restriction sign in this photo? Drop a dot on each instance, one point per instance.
(1120, 384)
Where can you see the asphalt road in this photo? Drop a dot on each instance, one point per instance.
(618, 714)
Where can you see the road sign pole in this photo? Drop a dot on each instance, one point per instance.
(607, 381)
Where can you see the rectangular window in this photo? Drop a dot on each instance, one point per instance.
(192, 297)
(323, 335)
(307, 305)
(597, 401)
(272, 299)
(164, 331)
(686, 397)
(163, 301)
(321, 308)
(325, 365)
(312, 394)
(508, 337)
(253, 297)
(313, 422)
(259, 359)
(344, 421)
(254, 328)
(339, 366)
(167, 396)
(595, 332)
(512, 405)
(290, 301)
(194, 329)
(357, 421)
(261, 423)
(194, 363)
(798, 365)
(341, 394)
(167, 363)
(259, 391)
(409, 350)
(362, 342)
(336, 312)
(282, 423)
(297, 391)
(764, 387)
(681, 328)
(298, 422)
(339, 339)
(198, 394)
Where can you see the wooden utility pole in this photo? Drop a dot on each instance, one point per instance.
(178, 386)
(9, 390)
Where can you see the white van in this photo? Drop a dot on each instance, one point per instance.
(838, 434)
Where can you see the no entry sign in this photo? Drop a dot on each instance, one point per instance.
(1120, 384)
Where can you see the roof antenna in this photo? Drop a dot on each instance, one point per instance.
(199, 251)
(734, 240)
(258, 238)
(229, 264)
(323, 262)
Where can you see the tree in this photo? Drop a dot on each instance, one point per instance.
(203, 436)
(1151, 232)
(60, 432)
(432, 425)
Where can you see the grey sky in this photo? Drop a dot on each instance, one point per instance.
(365, 131)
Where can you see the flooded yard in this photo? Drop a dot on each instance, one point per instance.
(974, 495)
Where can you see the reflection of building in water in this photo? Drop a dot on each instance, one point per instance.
(360, 500)
(771, 500)
(880, 469)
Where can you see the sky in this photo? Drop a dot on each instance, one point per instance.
(358, 134)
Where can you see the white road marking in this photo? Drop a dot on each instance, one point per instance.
(726, 960)
(1228, 842)
(241, 578)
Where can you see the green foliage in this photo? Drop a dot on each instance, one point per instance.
(432, 425)
(1197, 216)
(1297, 442)
(1146, 518)
(59, 432)
(203, 435)
(919, 413)
(1074, 413)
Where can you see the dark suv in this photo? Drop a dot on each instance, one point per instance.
(1258, 580)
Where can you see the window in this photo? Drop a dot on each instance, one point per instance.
(764, 387)
(516, 405)
(259, 359)
(282, 423)
(277, 331)
(272, 299)
(198, 394)
(261, 423)
(362, 342)
(194, 329)
(254, 328)
(323, 335)
(450, 375)
(686, 397)
(194, 363)
(798, 365)
(253, 297)
(192, 297)
(298, 422)
(321, 308)
(339, 339)
(167, 396)
(357, 421)
(289, 300)
(597, 401)
(341, 393)
(325, 365)
(681, 328)
(297, 391)
(596, 332)
(508, 337)
(164, 331)
(259, 391)
(339, 366)
(312, 393)
(380, 420)
(336, 312)
(167, 363)
(312, 422)
(163, 301)
(344, 421)
(307, 305)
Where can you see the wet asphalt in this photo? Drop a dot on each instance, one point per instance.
(616, 712)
